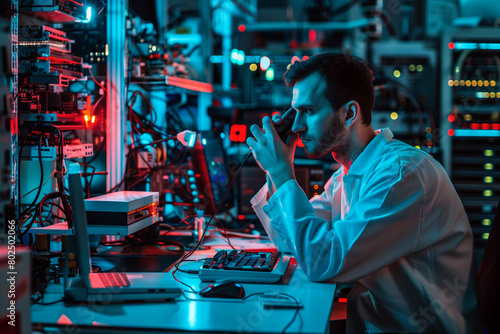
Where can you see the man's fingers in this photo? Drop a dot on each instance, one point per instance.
(257, 132)
(277, 119)
(268, 124)
(293, 140)
(251, 142)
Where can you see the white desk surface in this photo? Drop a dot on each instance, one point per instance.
(191, 312)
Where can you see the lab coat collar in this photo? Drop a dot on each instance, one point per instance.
(371, 151)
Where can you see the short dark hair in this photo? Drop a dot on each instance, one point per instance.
(347, 78)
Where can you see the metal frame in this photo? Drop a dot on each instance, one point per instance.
(116, 131)
(15, 91)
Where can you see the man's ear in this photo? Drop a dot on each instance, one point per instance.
(352, 111)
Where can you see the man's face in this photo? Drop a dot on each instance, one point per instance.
(319, 127)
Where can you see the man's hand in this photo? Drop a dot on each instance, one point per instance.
(271, 153)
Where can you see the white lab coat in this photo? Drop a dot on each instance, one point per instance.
(396, 226)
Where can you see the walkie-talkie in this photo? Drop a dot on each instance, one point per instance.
(284, 129)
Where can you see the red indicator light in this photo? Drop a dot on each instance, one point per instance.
(241, 217)
(312, 35)
(451, 132)
(485, 126)
(342, 300)
(495, 126)
(474, 126)
(305, 58)
(238, 133)
(451, 45)
(242, 28)
(451, 118)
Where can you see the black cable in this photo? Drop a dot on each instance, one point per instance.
(22, 234)
(19, 214)
(127, 163)
(297, 305)
(34, 301)
(188, 254)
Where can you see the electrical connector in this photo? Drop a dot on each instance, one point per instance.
(187, 138)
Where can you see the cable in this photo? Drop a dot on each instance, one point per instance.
(127, 164)
(32, 190)
(297, 305)
(95, 80)
(188, 254)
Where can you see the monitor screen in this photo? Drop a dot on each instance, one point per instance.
(211, 173)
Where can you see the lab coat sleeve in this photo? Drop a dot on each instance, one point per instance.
(380, 228)
(320, 203)
(259, 205)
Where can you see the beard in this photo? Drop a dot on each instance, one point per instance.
(334, 140)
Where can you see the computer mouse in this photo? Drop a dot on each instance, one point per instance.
(223, 290)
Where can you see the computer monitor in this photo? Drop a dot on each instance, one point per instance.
(211, 172)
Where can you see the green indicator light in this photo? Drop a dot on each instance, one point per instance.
(270, 74)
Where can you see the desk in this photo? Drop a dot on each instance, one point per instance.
(191, 312)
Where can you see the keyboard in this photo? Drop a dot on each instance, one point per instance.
(244, 267)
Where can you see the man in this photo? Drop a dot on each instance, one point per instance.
(389, 218)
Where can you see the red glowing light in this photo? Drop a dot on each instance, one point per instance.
(78, 3)
(238, 133)
(485, 126)
(64, 320)
(242, 28)
(241, 217)
(305, 58)
(451, 45)
(451, 132)
(189, 84)
(342, 300)
(451, 118)
(474, 126)
(300, 143)
(275, 113)
(234, 85)
(312, 35)
(495, 126)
